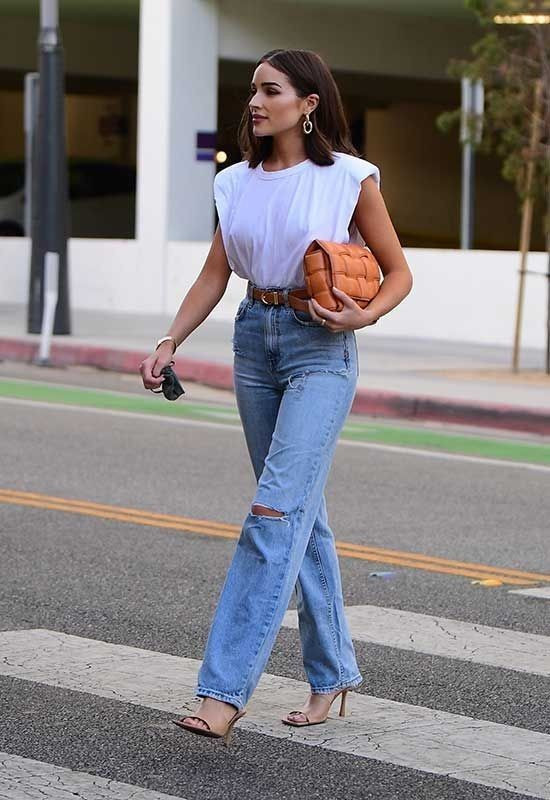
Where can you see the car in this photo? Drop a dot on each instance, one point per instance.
(101, 197)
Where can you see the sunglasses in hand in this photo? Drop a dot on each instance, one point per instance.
(171, 388)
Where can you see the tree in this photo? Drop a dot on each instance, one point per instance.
(513, 60)
(509, 59)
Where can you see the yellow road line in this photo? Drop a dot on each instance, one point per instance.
(227, 531)
(487, 572)
(135, 512)
(384, 553)
(138, 519)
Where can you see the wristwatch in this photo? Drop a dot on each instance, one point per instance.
(167, 339)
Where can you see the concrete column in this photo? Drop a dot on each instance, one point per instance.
(178, 89)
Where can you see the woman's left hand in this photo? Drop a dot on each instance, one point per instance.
(351, 317)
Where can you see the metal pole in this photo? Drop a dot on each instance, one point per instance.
(32, 80)
(51, 282)
(49, 222)
(466, 184)
(471, 129)
(49, 14)
(467, 200)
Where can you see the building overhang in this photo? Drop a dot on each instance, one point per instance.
(129, 9)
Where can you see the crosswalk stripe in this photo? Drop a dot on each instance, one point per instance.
(541, 591)
(451, 638)
(425, 739)
(27, 779)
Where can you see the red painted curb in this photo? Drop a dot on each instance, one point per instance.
(220, 376)
(458, 412)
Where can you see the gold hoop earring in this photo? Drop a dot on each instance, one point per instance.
(307, 126)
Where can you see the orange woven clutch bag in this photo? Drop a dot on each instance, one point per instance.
(350, 267)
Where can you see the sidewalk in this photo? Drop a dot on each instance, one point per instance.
(399, 378)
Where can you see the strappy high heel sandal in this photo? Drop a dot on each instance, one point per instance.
(214, 733)
(301, 724)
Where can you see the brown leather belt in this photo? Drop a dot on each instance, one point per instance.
(297, 298)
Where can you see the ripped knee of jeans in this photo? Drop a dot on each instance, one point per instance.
(261, 510)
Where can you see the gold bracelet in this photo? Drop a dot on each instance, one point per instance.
(167, 339)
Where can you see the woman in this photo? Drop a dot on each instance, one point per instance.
(295, 373)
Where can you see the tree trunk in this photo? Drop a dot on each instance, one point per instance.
(527, 219)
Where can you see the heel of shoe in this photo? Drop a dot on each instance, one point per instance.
(227, 735)
(342, 712)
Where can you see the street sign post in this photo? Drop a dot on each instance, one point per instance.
(49, 222)
(51, 283)
(32, 81)
(471, 129)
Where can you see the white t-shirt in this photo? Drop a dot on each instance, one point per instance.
(268, 219)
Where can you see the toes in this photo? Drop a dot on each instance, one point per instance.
(195, 721)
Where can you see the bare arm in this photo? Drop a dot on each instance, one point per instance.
(375, 226)
(205, 293)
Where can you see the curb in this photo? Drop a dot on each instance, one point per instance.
(220, 376)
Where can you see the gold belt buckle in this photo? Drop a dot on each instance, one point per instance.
(275, 300)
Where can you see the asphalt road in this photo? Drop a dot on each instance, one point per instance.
(130, 583)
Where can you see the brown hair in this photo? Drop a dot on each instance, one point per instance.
(308, 74)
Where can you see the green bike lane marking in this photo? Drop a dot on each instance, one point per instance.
(114, 401)
(376, 432)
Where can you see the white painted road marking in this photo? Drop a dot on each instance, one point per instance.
(27, 779)
(451, 638)
(387, 448)
(420, 738)
(542, 592)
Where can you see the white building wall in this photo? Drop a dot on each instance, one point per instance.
(178, 88)
(457, 296)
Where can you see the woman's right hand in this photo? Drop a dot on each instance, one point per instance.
(151, 367)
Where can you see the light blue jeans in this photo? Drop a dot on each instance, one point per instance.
(294, 382)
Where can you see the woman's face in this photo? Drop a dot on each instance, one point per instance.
(275, 100)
